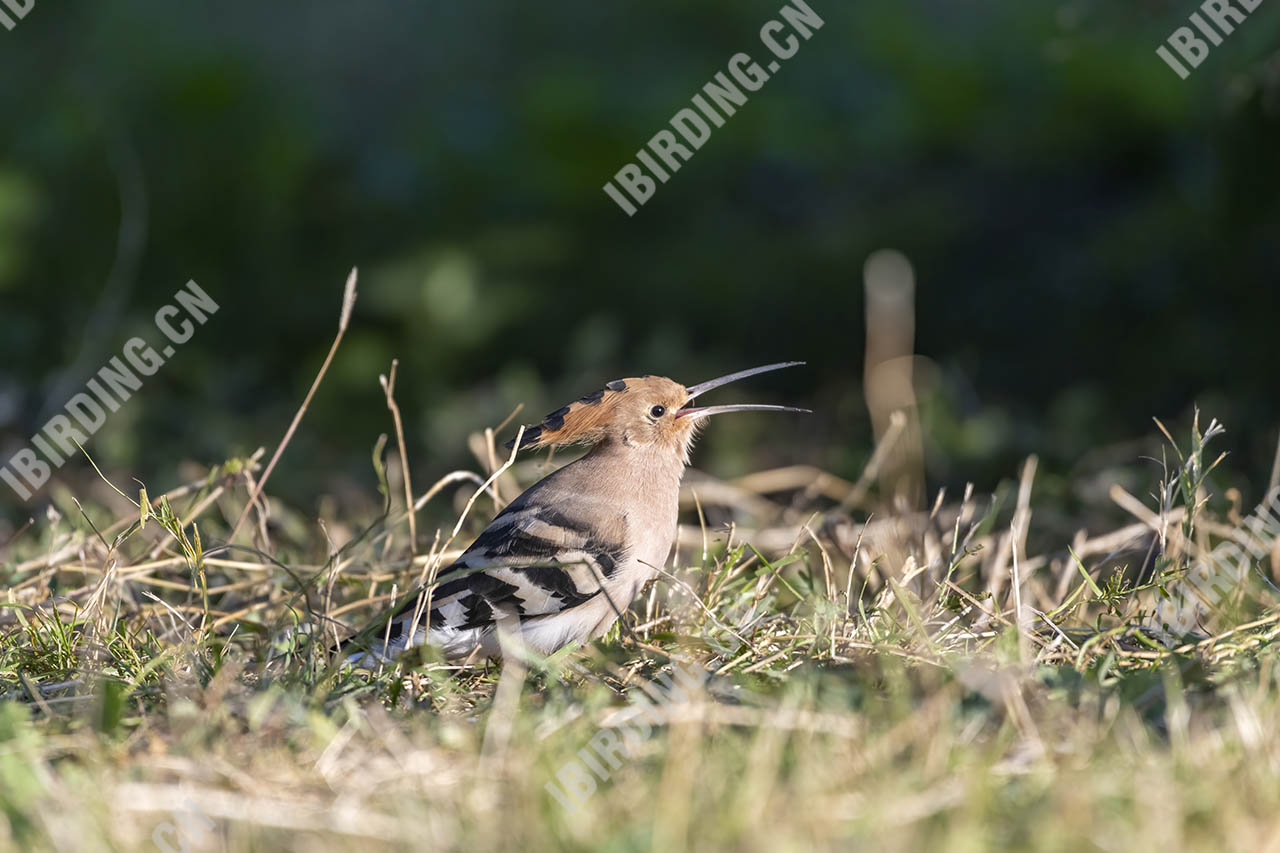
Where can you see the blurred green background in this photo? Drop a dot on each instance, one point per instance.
(1095, 240)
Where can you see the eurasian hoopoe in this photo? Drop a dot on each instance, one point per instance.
(562, 560)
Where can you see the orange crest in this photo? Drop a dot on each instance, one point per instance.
(646, 411)
(592, 418)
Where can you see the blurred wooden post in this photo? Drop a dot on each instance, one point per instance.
(888, 379)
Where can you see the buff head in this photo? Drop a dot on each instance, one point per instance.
(643, 412)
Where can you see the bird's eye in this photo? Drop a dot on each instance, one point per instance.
(658, 411)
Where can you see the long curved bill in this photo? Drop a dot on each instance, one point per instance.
(704, 387)
(708, 411)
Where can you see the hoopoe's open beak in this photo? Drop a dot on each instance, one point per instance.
(704, 387)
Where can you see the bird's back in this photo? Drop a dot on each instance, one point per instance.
(557, 565)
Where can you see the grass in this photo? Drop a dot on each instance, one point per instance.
(900, 682)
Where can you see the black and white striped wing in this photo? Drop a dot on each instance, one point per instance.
(532, 561)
